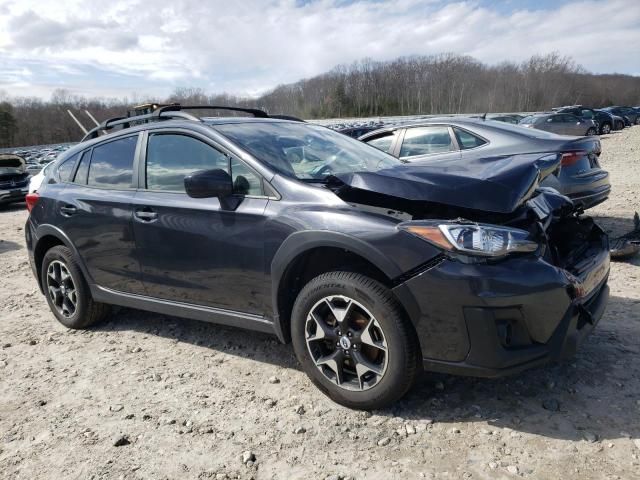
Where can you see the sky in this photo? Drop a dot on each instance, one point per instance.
(142, 48)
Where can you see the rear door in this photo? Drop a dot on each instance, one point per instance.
(427, 144)
(95, 211)
(195, 250)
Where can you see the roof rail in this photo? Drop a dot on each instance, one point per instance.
(166, 112)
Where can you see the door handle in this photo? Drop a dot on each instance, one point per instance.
(146, 215)
(68, 210)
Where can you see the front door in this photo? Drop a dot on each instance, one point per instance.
(195, 250)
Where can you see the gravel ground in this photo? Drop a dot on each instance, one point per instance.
(149, 396)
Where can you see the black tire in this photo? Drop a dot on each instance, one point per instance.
(402, 357)
(85, 312)
(637, 122)
(592, 131)
(605, 129)
(620, 125)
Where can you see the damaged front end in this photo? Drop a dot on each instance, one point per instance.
(516, 286)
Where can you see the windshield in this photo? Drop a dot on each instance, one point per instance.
(304, 151)
(528, 120)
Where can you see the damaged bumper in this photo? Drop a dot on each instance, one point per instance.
(496, 319)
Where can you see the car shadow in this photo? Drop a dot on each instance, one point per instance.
(9, 207)
(596, 391)
(8, 246)
(614, 226)
(257, 346)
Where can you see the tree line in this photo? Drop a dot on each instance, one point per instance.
(418, 85)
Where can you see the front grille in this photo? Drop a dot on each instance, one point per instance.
(13, 184)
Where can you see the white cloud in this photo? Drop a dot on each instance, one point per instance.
(242, 47)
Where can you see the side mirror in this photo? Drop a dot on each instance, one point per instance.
(208, 183)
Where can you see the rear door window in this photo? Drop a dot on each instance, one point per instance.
(468, 140)
(425, 141)
(171, 157)
(112, 164)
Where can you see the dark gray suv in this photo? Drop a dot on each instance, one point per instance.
(373, 269)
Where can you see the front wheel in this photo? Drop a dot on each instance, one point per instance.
(67, 292)
(606, 129)
(591, 131)
(354, 341)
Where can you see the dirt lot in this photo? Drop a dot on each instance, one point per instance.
(193, 398)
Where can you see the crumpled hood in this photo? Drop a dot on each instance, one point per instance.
(490, 184)
(12, 164)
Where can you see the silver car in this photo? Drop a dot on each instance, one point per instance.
(561, 124)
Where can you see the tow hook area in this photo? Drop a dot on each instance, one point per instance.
(585, 315)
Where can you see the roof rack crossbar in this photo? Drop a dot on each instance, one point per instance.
(173, 108)
(165, 113)
(126, 121)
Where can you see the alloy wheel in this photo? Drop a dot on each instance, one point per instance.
(606, 129)
(346, 343)
(61, 289)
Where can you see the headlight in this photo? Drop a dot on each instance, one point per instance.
(473, 238)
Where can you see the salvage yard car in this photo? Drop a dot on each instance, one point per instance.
(373, 269)
(456, 142)
(14, 179)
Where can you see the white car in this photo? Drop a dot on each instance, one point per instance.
(36, 180)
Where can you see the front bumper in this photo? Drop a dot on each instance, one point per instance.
(13, 194)
(490, 320)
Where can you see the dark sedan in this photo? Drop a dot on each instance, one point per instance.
(631, 113)
(560, 123)
(449, 141)
(605, 120)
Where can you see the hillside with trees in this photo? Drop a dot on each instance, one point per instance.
(439, 84)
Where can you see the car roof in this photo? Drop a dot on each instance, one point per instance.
(228, 120)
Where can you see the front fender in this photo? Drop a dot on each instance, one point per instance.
(303, 241)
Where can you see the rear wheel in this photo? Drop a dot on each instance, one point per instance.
(354, 341)
(592, 131)
(67, 291)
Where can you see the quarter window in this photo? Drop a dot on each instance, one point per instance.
(425, 141)
(171, 157)
(383, 142)
(65, 169)
(245, 182)
(468, 140)
(112, 163)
